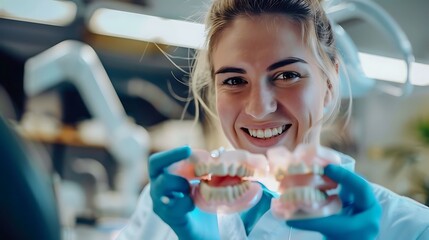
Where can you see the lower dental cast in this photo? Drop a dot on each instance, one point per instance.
(306, 194)
(228, 193)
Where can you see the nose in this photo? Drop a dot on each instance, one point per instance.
(261, 101)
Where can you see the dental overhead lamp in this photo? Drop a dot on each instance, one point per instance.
(78, 63)
(341, 10)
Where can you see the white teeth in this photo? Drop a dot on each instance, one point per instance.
(223, 169)
(275, 132)
(267, 133)
(200, 169)
(227, 193)
(299, 168)
(232, 169)
(307, 195)
(241, 171)
(317, 169)
(219, 169)
(280, 174)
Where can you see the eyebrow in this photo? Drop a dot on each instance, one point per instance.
(285, 62)
(273, 66)
(230, 70)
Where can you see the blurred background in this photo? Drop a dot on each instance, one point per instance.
(96, 86)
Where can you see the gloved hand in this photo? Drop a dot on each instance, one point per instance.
(171, 198)
(360, 217)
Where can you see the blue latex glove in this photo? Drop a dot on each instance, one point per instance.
(171, 198)
(360, 217)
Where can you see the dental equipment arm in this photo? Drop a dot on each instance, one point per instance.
(339, 11)
(151, 93)
(78, 63)
(352, 68)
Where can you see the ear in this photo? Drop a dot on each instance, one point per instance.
(330, 90)
(328, 94)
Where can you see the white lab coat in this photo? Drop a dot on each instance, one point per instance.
(402, 219)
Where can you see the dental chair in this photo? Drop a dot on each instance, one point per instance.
(27, 203)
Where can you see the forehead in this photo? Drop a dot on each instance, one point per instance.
(258, 37)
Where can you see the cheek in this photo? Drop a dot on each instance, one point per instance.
(313, 101)
(304, 103)
(226, 111)
(221, 108)
(296, 102)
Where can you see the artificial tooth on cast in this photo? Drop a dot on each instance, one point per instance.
(228, 193)
(235, 192)
(232, 169)
(280, 174)
(303, 194)
(193, 159)
(223, 169)
(204, 191)
(317, 169)
(200, 169)
(241, 170)
(298, 168)
(244, 186)
(246, 172)
(219, 169)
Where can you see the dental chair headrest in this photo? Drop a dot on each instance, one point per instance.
(27, 203)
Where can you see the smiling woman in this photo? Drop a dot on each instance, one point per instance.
(294, 64)
(269, 77)
(273, 82)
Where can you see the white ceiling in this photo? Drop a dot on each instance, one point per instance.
(411, 15)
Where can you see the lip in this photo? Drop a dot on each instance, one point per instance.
(266, 142)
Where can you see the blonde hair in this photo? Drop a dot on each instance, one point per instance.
(317, 34)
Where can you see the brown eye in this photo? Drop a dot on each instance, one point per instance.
(234, 81)
(289, 76)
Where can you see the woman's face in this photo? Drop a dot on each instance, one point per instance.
(269, 89)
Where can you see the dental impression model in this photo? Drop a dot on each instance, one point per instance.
(224, 179)
(304, 191)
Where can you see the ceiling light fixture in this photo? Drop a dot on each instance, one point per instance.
(143, 27)
(148, 28)
(393, 70)
(50, 12)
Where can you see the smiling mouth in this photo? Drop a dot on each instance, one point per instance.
(267, 132)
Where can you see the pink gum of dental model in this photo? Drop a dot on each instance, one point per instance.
(229, 190)
(303, 187)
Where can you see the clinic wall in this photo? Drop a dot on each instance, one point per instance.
(382, 122)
